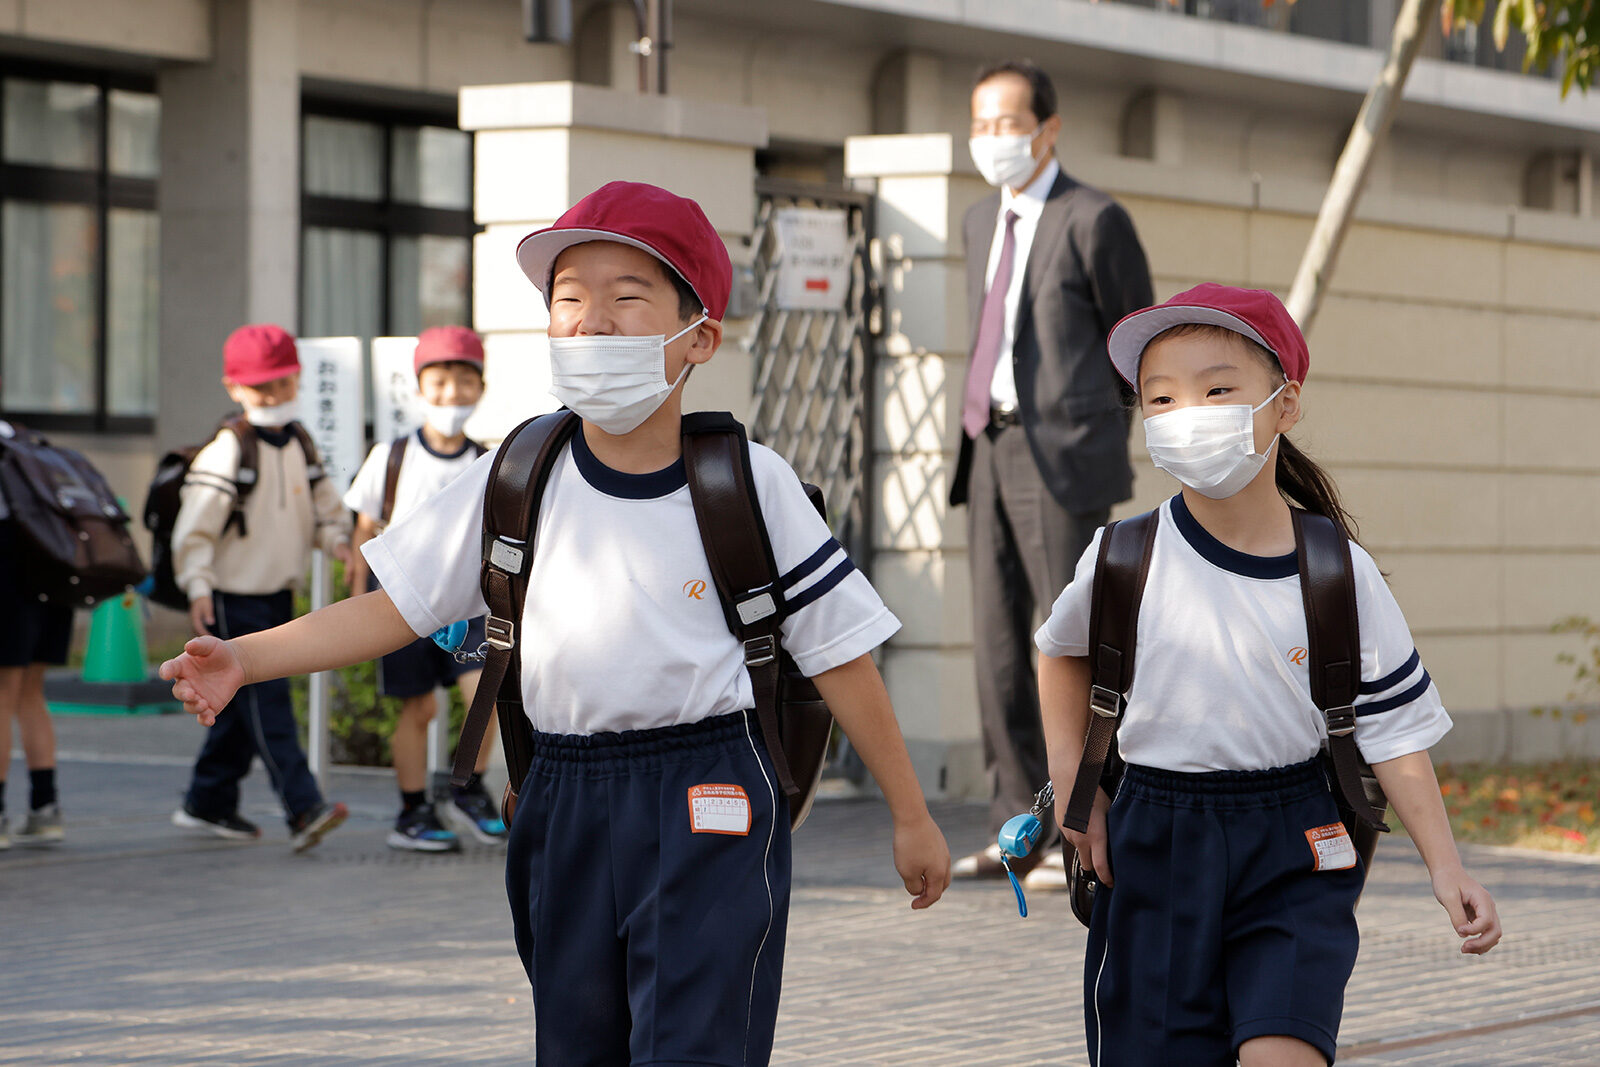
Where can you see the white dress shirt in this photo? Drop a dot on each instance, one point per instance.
(1029, 205)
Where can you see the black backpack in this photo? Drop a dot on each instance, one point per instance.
(165, 497)
(1333, 641)
(795, 722)
(73, 534)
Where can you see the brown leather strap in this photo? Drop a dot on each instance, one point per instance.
(244, 480)
(728, 512)
(391, 477)
(1120, 571)
(510, 520)
(1333, 641)
(308, 448)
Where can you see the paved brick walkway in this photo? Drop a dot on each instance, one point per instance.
(135, 944)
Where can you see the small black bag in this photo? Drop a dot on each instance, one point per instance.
(73, 532)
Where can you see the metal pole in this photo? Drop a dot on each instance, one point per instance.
(317, 728)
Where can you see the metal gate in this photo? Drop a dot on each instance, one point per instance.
(813, 383)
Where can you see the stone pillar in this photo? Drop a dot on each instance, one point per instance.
(229, 202)
(924, 184)
(541, 147)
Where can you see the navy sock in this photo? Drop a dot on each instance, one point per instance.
(42, 787)
(410, 801)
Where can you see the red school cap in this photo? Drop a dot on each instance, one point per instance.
(447, 344)
(670, 227)
(253, 355)
(1254, 313)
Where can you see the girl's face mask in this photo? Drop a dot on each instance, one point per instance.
(1209, 448)
(614, 382)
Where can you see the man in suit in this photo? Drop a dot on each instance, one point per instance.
(1052, 264)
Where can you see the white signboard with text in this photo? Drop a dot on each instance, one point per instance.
(396, 407)
(331, 403)
(813, 258)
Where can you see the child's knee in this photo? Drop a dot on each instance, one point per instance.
(420, 710)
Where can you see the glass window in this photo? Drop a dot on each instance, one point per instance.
(429, 283)
(135, 138)
(341, 283)
(47, 306)
(432, 166)
(132, 305)
(343, 158)
(51, 123)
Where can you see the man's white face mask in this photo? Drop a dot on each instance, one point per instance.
(1003, 158)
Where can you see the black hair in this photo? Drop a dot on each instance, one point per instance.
(454, 363)
(1301, 481)
(1042, 102)
(689, 305)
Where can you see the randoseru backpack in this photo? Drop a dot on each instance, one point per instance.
(73, 533)
(165, 497)
(795, 723)
(1333, 640)
(391, 474)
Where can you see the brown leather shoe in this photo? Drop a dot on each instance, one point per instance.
(986, 864)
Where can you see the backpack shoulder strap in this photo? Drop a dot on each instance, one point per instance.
(716, 457)
(249, 454)
(1120, 571)
(308, 448)
(391, 477)
(1333, 640)
(517, 481)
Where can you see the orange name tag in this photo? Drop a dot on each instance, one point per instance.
(719, 809)
(1331, 848)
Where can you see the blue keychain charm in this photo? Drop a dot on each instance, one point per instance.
(450, 638)
(1017, 838)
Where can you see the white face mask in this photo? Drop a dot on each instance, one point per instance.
(279, 414)
(614, 382)
(1209, 448)
(448, 419)
(1003, 159)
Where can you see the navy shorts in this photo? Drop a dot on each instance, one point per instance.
(422, 666)
(1218, 928)
(30, 632)
(648, 874)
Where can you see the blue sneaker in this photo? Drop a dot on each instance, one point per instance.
(475, 813)
(419, 830)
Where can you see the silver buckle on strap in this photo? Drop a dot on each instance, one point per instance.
(760, 651)
(1341, 721)
(500, 634)
(1106, 703)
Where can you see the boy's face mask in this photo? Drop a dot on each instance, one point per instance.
(448, 419)
(1209, 448)
(614, 382)
(280, 414)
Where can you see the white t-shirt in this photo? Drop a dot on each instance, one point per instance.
(1221, 678)
(423, 472)
(622, 628)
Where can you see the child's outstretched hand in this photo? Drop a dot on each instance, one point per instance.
(1471, 908)
(923, 860)
(204, 676)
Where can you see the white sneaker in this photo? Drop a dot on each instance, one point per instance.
(1050, 874)
(978, 865)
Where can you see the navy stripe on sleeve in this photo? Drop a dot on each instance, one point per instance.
(811, 563)
(1390, 703)
(821, 587)
(1395, 677)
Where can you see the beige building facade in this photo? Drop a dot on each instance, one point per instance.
(1455, 391)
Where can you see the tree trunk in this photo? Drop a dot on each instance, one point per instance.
(1355, 162)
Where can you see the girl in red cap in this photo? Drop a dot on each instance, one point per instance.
(1225, 927)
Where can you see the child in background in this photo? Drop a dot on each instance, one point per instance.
(240, 568)
(398, 476)
(1228, 932)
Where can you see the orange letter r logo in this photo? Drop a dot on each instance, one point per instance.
(693, 588)
(1297, 655)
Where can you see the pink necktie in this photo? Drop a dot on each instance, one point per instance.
(991, 328)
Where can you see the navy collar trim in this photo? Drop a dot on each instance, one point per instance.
(422, 439)
(1230, 559)
(615, 483)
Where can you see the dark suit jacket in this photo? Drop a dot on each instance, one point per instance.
(1085, 271)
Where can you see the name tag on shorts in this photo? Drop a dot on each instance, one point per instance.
(1332, 848)
(719, 809)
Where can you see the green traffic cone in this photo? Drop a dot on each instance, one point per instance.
(116, 652)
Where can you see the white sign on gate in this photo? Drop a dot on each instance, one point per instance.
(814, 254)
(396, 406)
(330, 403)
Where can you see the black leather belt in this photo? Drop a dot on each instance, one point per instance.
(999, 419)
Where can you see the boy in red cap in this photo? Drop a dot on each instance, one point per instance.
(398, 476)
(1224, 929)
(240, 562)
(650, 935)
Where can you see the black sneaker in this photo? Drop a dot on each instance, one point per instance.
(312, 825)
(231, 827)
(419, 830)
(475, 813)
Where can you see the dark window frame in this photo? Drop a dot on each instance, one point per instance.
(102, 191)
(385, 217)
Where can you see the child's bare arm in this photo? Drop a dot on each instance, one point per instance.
(1064, 711)
(1413, 790)
(209, 671)
(856, 695)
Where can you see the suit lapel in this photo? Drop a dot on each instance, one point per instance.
(979, 242)
(1047, 237)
